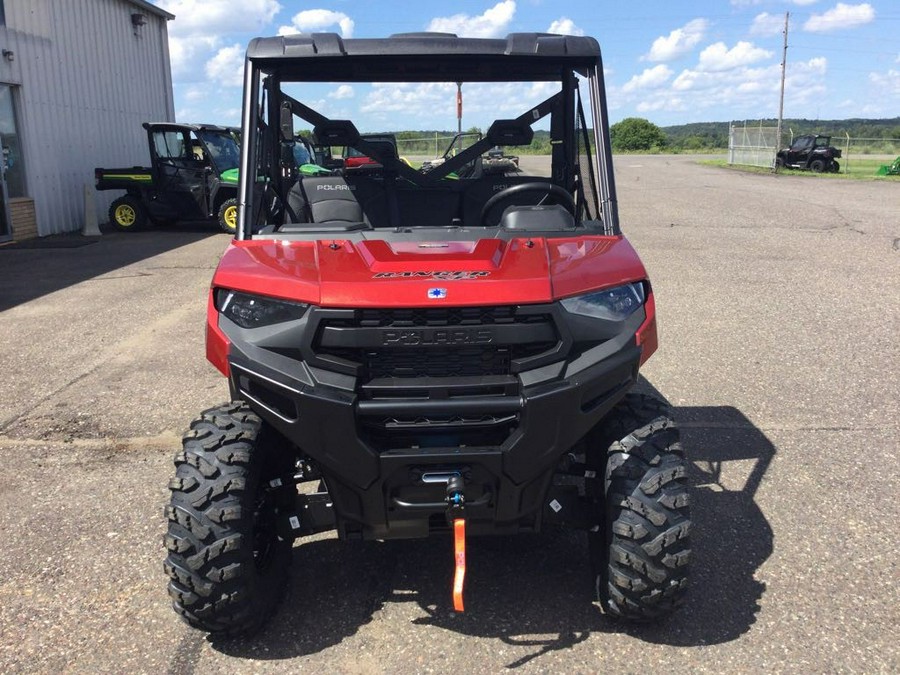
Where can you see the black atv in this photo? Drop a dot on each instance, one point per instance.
(810, 153)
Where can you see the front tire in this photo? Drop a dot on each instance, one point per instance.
(227, 565)
(228, 213)
(127, 214)
(640, 551)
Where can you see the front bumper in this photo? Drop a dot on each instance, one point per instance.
(386, 433)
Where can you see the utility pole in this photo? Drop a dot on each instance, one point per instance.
(787, 16)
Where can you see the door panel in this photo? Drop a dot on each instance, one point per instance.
(181, 177)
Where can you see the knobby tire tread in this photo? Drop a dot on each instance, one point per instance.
(641, 550)
(215, 584)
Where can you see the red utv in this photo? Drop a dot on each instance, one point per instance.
(412, 354)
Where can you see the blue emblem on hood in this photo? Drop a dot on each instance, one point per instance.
(437, 293)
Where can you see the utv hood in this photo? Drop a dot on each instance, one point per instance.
(379, 273)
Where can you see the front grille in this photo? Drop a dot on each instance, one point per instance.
(437, 359)
(458, 362)
(436, 376)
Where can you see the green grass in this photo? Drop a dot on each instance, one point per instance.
(856, 169)
(859, 168)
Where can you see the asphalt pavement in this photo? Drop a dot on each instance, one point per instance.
(778, 314)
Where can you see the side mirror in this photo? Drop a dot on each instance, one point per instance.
(287, 122)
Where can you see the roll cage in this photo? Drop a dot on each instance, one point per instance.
(581, 162)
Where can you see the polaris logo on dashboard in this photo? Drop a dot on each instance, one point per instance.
(338, 186)
(430, 337)
(443, 276)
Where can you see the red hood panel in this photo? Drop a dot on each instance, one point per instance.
(406, 274)
(584, 264)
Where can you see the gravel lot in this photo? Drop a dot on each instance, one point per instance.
(777, 301)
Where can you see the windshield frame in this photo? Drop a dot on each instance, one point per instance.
(352, 67)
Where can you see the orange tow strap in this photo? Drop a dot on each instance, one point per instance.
(459, 549)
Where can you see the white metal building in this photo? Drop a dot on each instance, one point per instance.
(77, 79)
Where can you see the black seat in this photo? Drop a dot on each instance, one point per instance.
(330, 199)
(336, 202)
(297, 210)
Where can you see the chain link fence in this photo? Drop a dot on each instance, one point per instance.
(426, 145)
(864, 156)
(752, 145)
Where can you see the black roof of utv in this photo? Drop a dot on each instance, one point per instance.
(424, 57)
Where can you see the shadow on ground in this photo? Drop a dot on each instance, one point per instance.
(535, 591)
(33, 268)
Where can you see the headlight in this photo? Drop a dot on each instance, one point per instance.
(253, 311)
(612, 304)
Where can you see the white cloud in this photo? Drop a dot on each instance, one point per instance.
(415, 103)
(767, 24)
(199, 27)
(199, 113)
(651, 77)
(414, 99)
(887, 83)
(227, 66)
(195, 94)
(218, 16)
(565, 26)
(753, 90)
(818, 65)
(317, 20)
(492, 23)
(840, 16)
(343, 91)
(677, 43)
(718, 57)
(184, 53)
(656, 103)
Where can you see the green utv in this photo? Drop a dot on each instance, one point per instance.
(190, 177)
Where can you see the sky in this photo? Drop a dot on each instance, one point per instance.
(669, 61)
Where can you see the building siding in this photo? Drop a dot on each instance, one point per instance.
(86, 82)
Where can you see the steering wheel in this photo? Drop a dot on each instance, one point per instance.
(561, 196)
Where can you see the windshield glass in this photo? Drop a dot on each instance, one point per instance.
(301, 154)
(223, 149)
(390, 157)
(406, 114)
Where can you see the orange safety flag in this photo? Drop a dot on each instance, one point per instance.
(459, 549)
